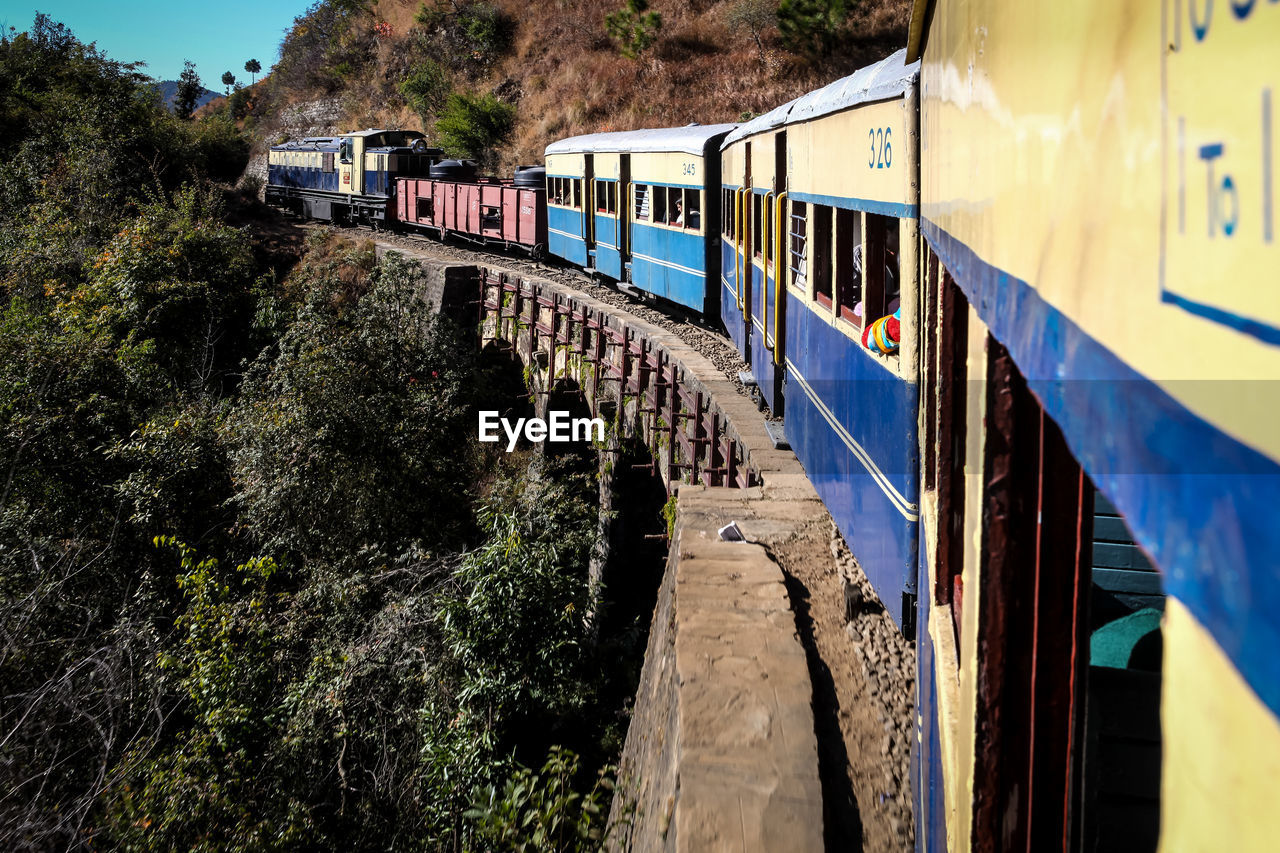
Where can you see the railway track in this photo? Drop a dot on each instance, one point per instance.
(691, 329)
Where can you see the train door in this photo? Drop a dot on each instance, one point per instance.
(1043, 619)
(747, 252)
(351, 165)
(625, 211)
(589, 208)
(775, 330)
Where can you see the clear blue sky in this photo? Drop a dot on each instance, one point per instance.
(217, 36)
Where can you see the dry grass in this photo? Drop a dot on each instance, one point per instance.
(568, 79)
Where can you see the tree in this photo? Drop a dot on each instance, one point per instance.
(809, 27)
(633, 27)
(757, 16)
(228, 80)
(253, 66)
(426, 88)
(473, 125)
(189, 89)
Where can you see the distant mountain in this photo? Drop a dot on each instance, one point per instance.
(169, 94)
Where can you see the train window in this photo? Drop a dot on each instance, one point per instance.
(675, 206)
(770, 211)
(611, 189)
(797, 258)
(849, 266)
(344, 151)
(642, 202)
(326, 162)
(727, 212)
(660, 204)
(602, 197)
(426, 208)
(693, 209)
(757, 235)
(822, 254)
(577, 193)
(880, 288)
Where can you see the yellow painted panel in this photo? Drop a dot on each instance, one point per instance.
(568, 165)
(1221, 770)
(1073, 145)
(668, 167)
(863, 153)
(733, 164)
(763, 160)
(608, 166)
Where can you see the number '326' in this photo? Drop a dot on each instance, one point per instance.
(881, 148)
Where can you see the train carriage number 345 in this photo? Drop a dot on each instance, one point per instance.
(881, 148)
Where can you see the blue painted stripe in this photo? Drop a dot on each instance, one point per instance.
(1254, 328)
(908, 510)
(669, 265)
(1199, 502)
(900, 210)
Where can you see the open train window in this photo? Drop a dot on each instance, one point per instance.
(577, 193)
(880, 269)
(426, 208)
(344, 151)
(642, 202)
(660, 205)
(675, 206)
(849, 283)
(692, 210)
(822, 254)
(727, 212)
(757, 234)
(606, 197)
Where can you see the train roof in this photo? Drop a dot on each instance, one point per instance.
(692, 139)
(888, 78)
(317, 143)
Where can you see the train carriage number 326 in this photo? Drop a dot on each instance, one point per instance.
(881, 148)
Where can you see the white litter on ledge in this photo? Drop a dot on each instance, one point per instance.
(732, 533)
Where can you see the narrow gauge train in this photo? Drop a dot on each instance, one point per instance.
(1063, 484)
(391, 178)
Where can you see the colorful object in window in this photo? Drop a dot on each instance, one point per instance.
(883, 335)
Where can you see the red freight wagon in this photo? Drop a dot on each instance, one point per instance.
(487, 210)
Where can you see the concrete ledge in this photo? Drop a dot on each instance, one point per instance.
(736, 768)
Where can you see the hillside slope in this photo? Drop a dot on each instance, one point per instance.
(554, 62)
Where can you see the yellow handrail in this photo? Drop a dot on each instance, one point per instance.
(781, 266)
(739, 249)
(764, 256)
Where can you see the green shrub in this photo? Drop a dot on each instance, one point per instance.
(473, 125)
(426, 88)
(543, 812)
(810, 27)
(633, 27)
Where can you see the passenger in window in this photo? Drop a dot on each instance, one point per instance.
(891, 289)
(679, 217)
